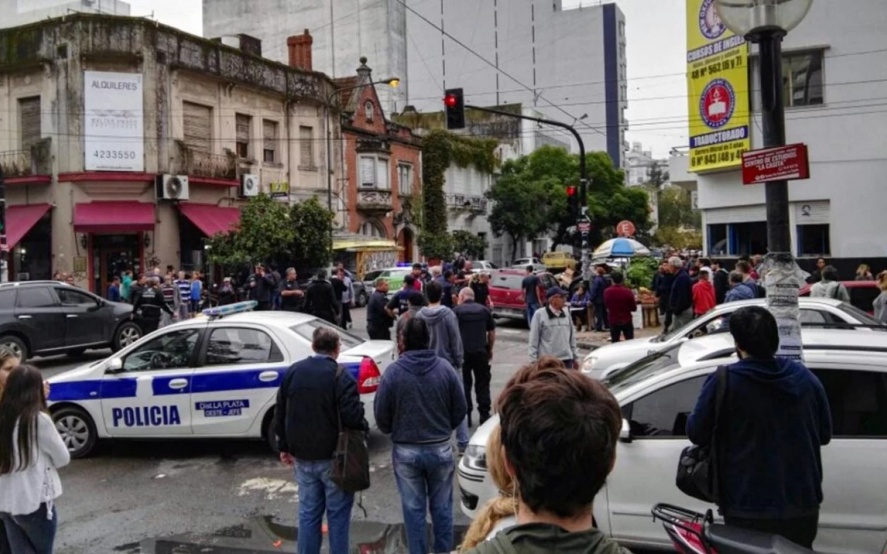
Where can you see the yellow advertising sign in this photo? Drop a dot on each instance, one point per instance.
(718, 89)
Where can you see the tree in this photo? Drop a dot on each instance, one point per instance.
(265, 232)
(676, 209)
(312, 243)
(678, 238)
(470, 245)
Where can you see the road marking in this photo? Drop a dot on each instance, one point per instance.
(272, 488)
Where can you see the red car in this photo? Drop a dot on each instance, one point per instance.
(862, 293)
(507, 294)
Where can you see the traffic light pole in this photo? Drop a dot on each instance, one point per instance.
(583, 177)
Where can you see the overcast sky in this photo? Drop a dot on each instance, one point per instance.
(657, 113)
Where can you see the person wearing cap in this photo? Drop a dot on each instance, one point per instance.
(703, 293)
(552, 332)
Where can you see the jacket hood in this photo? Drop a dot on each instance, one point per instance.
(419, 362)
(542, 537)
(434, 314)
(783, 374)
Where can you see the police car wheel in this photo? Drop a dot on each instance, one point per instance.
(76, 429)
(15, 345)
(126, 334)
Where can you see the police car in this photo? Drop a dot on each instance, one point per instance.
(212, 377)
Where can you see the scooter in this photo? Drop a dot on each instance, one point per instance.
(695, 533)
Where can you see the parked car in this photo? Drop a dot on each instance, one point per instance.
(507, 294)
(369, 281)
(522, 263)
(47, 317)
(214, 377)
(395, 276)
(483, 265)
(815, 312)
(862, 293)
(659, 391)
(361, 296)
(558, 261)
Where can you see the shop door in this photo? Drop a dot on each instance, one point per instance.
(113, 256)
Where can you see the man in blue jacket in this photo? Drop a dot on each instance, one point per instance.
(681, 297)
(774, 419)
(420, 402)
(598, 285)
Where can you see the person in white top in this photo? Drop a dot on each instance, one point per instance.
(8, 362)
(31, 451)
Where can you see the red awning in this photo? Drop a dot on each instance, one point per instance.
(20, 219)
(113, 217)
(210, 219)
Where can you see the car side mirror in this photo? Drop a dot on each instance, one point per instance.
(115, 365)
(625, 433)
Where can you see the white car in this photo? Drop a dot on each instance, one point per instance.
(815, 312)
(522, 263)
(658, 393)
(214, 377)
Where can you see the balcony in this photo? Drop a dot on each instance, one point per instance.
(27, 163)
(197, 163)
(374, 201)
(473, 204)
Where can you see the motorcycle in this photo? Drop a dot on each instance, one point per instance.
(695, 533)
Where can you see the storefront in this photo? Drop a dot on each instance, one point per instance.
(29, 241)
(365, 254)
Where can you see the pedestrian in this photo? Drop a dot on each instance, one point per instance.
(114, 290)
(136, 289)
(681, 296)
(420, 402)
(417, 277)
(449, 289)
(399, 303)
(880, 303)
(598, 285)
(771, 426)
(347, 296)
(184, 285)
(662, 285)
(320, 300)
(379, 320)
(481, 289)
(264, 286)
(150, 305)
(291, 296)
(31, 452)
(125, 286)
(720, 278)
(173, 300)
(317, 398)
(478, 332)
(703, 293)
(416, 303)
(739, 289)
(621, 304)
(559, 434)
(864, 273)
(579, 307)
(551, 331)
(8, 362)
(69, 279)
(446, 286)
(530, 286)
(816, 275)
(227, 294)
(829, 287)
(275, 290)
(196, 291)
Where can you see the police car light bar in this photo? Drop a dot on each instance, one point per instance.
(404, 264)
(230, 309)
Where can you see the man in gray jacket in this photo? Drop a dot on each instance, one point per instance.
(551, 331)
(446, 341)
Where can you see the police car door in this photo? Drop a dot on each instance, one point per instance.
(150, 395)
(238, 379)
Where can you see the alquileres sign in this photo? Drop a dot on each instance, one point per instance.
(113, 126)
(717, 86)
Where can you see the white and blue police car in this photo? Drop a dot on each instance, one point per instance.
(210, 377)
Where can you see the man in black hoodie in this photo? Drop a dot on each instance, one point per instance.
(773, 421)
(478, 331)
(320, 299)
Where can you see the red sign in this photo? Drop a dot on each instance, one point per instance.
(775, 164)
(584, 226)
(625, 229)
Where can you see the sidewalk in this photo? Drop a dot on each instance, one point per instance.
(590, 340)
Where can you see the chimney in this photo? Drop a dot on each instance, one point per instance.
(300, 51)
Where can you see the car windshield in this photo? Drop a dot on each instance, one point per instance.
(649, 366)
(306, 331)
(861, 316)
(506, 281)
(678, 332)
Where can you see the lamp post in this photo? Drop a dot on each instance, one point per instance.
(393, 82)
(766, 22)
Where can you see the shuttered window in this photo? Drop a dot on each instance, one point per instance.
(29, 113)
(306, 144)
(243, 123)
(198, 126)
(269, 144)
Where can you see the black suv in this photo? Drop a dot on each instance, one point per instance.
(48, 317)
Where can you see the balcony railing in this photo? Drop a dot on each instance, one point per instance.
(374, 200)
(198, 163)
(467, 202)
(26, 163)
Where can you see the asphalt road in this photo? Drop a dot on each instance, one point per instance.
(221, 496)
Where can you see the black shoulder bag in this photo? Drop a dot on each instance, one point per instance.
(351, 460)
(697, 469)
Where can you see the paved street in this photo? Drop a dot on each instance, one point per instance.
(152, 496)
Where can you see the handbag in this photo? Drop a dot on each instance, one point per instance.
(351, 460)
(697, 474)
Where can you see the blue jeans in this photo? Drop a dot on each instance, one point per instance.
(32, 533)
(318, 493)
(424, 474)
(531, 309)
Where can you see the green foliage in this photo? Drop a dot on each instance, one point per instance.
(312, 243)
(469, 244)
(676, 209)
(611, 201)
(436, 246)
(641, 271)
(678, 238)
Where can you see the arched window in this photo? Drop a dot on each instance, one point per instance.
(371, 228)
(369, 108)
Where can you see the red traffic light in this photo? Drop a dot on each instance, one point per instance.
(571, 191)
(450, 101)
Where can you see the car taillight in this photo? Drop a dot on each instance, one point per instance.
(368, 376)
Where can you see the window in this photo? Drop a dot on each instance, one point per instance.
(168, 351)
(405, 179)
(7, 299)
(237, 345)
(35, 297)
(369, 108)
(372, 228)
(243, 125)
(748, 238)
(197, 121)
(306, 331)
(306, 145)
(814, 240)
(717, 239)
(29, 121)
(70, 297)
(269, 144)
(802, 78)
(858, 402)
(664, 413)
(373, 172)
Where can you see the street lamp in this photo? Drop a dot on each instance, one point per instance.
(393, 82)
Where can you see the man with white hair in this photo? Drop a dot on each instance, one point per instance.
(681, 297)
(478, 331)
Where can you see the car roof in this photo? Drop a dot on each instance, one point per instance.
(30, 283)
(279, 319)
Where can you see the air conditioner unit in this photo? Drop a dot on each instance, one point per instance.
(249, 185)
(172, 187)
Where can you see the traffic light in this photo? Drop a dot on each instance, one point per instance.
(572, 202)
(454, 105)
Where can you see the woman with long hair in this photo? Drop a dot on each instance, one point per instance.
(31, 451)
(8, 362)
(864, 273)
